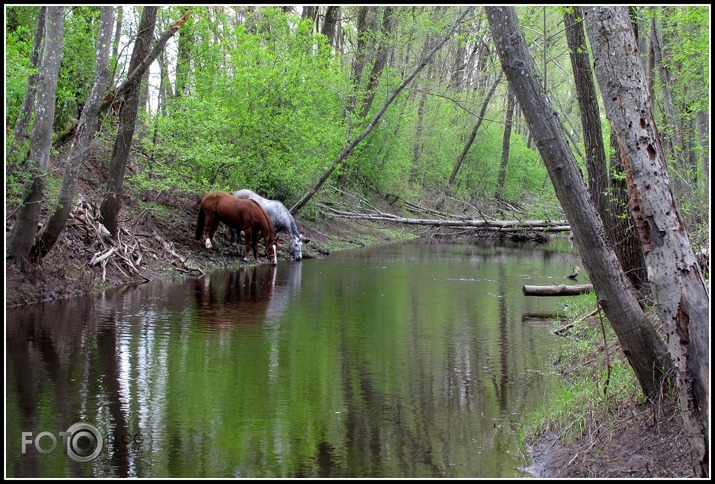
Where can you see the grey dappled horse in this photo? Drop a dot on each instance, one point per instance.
(282, 220)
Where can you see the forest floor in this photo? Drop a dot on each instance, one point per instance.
(159, 227)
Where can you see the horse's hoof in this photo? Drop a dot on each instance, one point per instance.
(208, 244)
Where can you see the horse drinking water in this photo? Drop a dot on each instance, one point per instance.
(281, 218)
(238, 214)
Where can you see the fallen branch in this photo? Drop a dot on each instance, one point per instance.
(501, 225)
(99, 257)
(567, 326)
(557, 290)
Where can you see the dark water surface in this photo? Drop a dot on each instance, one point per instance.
(407, 360)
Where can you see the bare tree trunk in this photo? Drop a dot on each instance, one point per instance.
(28, 103)
(619, 229)
(142, 57)
(330, 24)
(111, 204)
(472, 135)
(681, 297)
(183, 59)
(505, 144)
(83, 137)
(588, 106)
(388, 23)
(351, 146)
(620, 222)
(645, 351)
(22, 236)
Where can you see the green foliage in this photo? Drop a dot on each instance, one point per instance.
(265, 101)
(77, 71)
(263, 114)
(18, 46)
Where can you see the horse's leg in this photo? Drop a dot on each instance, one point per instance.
(208, 229)
(248, 232)
(254, 242)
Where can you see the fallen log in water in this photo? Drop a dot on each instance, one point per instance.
(499, 225)
(557, 290)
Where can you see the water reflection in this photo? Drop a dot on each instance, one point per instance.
(406, 361)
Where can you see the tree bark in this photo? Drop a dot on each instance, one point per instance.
(23, 232)
(645, 351)
(608, 197)
(388, 23)
(330, 23)
(84, 135)
(351, 146)
(681, 297)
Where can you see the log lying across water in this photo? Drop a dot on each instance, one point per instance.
(557, 290)
(502, 225)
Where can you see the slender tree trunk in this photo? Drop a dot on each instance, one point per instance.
(388, 23)
(505, 144)
(345, 153)
(115, 45)
(588, 106)
(472, 135)
(183, 59)
(681, 298)
(645, 351)
(142, 57)
(111, 204)
(86, 130)
(22, 236)
(28, 103)
(330, 24)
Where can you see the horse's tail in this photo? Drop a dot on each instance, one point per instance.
(200, 223)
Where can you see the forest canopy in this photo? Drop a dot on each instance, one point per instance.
(266, 98)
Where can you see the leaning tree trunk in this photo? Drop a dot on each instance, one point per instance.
(345, 153)
(129, 91)
(681, 298)
(22, 236)
(112, 202)
(645, 351)
(86, 129)
(472, 136)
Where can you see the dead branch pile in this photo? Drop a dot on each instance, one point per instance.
(127, 252)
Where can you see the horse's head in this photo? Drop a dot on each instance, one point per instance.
(295, 248)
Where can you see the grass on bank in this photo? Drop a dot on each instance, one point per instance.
(599, 383)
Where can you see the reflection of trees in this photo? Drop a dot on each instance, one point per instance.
(38, 353)
(272, 392)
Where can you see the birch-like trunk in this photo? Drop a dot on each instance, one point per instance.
(645, 351)
(681, 298)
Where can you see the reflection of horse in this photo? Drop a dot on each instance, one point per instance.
(235, 299)
(282, 220)
(239, 214)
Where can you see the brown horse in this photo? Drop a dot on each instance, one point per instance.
(240, 214)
